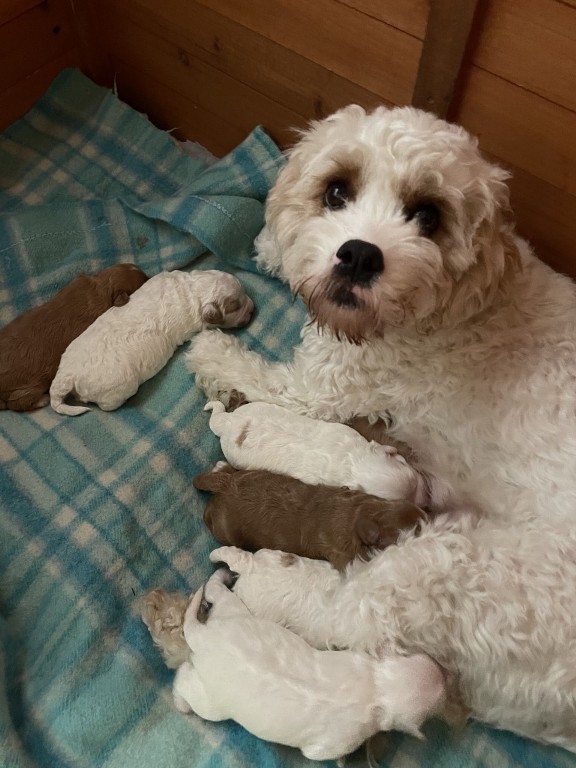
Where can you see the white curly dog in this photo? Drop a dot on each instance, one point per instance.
(430, 311)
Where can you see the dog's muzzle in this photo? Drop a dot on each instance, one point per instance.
(360, 262)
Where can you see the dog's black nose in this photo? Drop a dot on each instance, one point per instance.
(360, 261)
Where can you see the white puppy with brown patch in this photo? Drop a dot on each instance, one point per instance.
(327, 703)
(128, 345)
(434, 315)
(266, 436)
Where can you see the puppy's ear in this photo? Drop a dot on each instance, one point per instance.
(373, 535)
(367, 531)
(212, 481)
(120, 298)
(212, 313)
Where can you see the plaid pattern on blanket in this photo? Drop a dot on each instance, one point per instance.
(94, 511)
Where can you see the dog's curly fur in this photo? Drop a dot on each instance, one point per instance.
(466, 343)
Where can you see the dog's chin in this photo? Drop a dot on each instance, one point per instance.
(349, 314)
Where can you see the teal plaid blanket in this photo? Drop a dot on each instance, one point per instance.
(95, 511)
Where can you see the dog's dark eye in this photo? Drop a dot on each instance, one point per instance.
(337, 194)
(427, 216)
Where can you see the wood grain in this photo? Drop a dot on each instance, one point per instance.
(531, 43)
(33, 38)
(523, 129)
(372, 54)
(274, 71)
(447, 32)
(198, 83)
(10, 9)
(18, 99)
(173, 113)
(408, 15)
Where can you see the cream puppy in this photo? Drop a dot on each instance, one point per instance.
(266, 436)
(128, 345)
(327, 703)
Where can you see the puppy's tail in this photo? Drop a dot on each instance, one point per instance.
(59, 391)
(219, 417)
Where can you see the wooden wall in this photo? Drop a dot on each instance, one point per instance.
(37, 40)
(213, 69)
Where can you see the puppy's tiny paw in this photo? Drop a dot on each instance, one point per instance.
(225, 576)
(235, 400)
(236, 559)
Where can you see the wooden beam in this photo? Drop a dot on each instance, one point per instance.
(447, 34)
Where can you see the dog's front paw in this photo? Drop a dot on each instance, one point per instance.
(209, 353)
(211, 358)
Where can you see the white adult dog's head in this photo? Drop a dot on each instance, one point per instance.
(388, 219)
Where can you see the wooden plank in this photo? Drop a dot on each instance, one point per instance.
(408, 15)
(526, 130)
(447, 32)
(34, 38)
(531, 43)
(18, 99)
(90, 24)
(168, 110)
(10, 9)
(274, 71)
(199, 84)
(546, 216)
(374, 55)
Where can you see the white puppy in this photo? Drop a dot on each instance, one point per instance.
(128, 345)
(276, 686)
(434, 315)
(265, 436)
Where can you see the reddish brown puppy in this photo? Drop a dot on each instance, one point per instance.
(31, 345)
(254, 509)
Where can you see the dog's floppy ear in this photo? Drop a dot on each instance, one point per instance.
(212, 313)
(120, 298)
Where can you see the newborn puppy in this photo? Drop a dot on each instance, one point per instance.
(270, 681)
(128, 345)
(32, 344)
(266, 436)
(256, 509)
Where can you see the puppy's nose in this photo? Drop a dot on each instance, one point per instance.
(360, 261)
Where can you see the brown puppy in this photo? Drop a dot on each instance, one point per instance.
(31, 345)
(255, 509)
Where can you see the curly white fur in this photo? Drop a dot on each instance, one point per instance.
(128, 345)
(273, 683)
(265, 436)
(467, 343)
